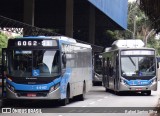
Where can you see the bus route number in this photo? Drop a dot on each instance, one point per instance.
(27, 43)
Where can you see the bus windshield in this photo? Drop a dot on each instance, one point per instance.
(33, 63)
(138, 66)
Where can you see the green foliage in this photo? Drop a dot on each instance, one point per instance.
(111, 37)
(111, 34)
(139, 23)
(154, 43)
(3, 42)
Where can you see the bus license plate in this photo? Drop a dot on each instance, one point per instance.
(31, 95)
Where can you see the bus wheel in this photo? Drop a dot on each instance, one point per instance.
(106, 89)
(94, 83)
(82, 96)
(5, 102)
(146, 92)
(116, 92)
(1, 103)
(66, 100)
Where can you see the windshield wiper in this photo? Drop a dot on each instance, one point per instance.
(132, 61)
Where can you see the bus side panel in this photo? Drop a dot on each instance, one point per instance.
(81, 72)
(79, 61)
(64, 83)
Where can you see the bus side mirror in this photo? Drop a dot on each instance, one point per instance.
(64, 60)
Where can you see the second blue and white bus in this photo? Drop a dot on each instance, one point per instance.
(47, 68)
(129, 66)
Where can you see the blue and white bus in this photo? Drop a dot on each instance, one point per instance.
(129, 66)
(47, 68)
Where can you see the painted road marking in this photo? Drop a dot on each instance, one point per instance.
(100, 100)
(92, 103)
(84, 106)
(97, 101)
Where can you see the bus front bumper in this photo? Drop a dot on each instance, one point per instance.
(125, 87)
(33, 95)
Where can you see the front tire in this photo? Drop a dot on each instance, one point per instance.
(82, 96)
(116, 92)
(106, 89)
(66, 100)
(1, 103)
(148, 93)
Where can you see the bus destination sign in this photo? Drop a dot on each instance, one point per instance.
(138, 52)
(34, 43)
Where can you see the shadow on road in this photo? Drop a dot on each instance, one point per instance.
(31, 103)
(127, 93)
(36, 103)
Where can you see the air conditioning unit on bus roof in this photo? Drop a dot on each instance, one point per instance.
(129, 43)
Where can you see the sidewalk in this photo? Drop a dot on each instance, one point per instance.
(157, 108)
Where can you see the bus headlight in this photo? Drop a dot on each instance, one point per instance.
(54, 87)
(154, 81)
(123, 81)
(10, 87)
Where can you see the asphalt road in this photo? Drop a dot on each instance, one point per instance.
(97, 102)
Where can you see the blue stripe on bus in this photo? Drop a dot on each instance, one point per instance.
(64, 82)
(35, 37)
(38, 87)
(138, 82)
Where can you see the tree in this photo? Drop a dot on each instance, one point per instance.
(3, 42)
(140, 25)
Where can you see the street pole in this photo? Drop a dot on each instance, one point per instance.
(134, 27)
(146, 38)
